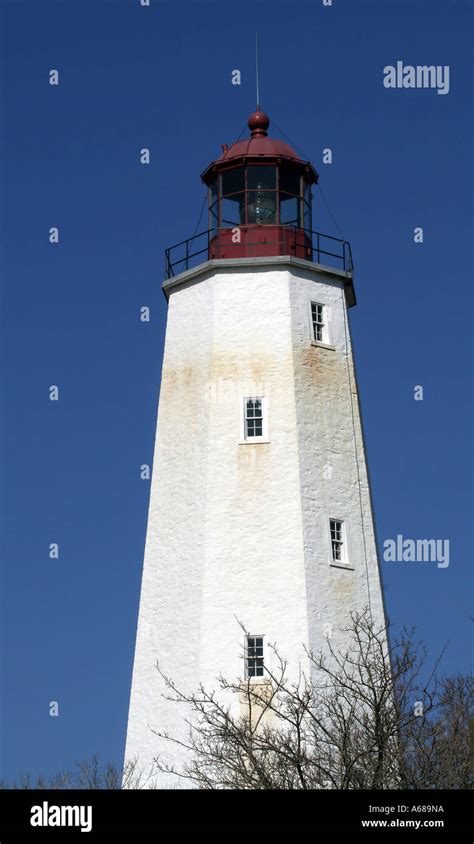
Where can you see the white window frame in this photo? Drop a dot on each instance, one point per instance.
(248, 676)
(344, 561)
(244, 438)
(326, 314)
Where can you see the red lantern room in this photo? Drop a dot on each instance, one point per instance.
(260, 198)
(260, 208)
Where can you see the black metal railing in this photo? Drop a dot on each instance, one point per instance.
(189, 253)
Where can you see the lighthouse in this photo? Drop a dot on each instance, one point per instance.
(260, 526)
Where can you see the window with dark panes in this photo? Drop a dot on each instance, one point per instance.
(253, 418)
(289, 210)
(232, 208)
(290, 196)
(261, 194)
(254, 657)
(261, 177)
(317, 317)
(337, 540)
(233, 181)
(261, 206)
(290, 180)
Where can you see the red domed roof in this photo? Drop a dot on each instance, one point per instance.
(258, 145)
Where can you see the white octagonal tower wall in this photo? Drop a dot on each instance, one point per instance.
(254, 556)
(239, 531)
(333, 469)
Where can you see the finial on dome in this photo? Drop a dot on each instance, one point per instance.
(258, 123)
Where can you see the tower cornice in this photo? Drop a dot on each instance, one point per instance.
(198, 273)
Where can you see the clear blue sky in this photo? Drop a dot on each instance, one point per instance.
(160, 77)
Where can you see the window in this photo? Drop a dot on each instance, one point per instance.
(319, 317)
(318, 322)
(290, 180)
(290, 210)
(261, 206)
(253, 418)
(254, 657)
(231, 209)
(337, 541)
(233, 181)
(261, 177)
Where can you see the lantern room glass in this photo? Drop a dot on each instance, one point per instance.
(260, 194)
(261, 177)
(261, 207)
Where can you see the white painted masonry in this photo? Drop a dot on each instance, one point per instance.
(240, 530)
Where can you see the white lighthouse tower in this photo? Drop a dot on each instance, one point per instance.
(260, 508)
